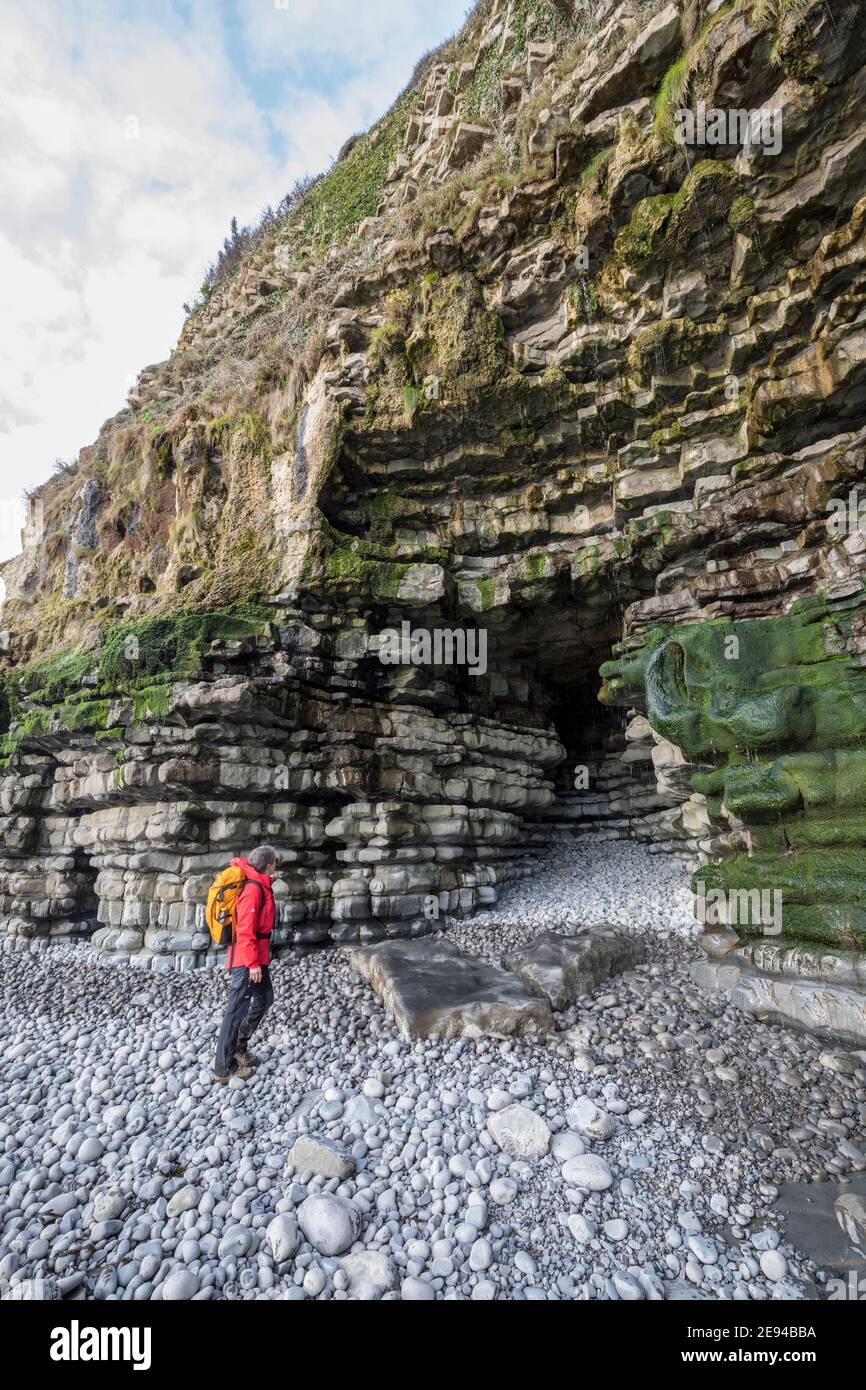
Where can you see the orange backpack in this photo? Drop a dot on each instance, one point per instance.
(221, 913)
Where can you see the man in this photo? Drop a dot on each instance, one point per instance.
(250, 991)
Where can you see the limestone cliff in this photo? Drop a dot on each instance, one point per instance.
(522, 364)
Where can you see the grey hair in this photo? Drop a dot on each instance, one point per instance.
(262, 857)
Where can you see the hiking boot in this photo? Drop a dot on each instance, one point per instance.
(220, 1080)
(244, 1072)
(245, 1058)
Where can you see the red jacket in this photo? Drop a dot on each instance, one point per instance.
(256, 916)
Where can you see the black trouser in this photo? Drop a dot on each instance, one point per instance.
(247, 1005)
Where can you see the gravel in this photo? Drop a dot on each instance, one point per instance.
(633, 1154)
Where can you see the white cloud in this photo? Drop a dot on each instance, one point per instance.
(375, 33)
(103, 237)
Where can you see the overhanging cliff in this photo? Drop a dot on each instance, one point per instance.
(520, 365)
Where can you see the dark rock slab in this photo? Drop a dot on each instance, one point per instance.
(812, 1225)
(432, 988)
(566, 967)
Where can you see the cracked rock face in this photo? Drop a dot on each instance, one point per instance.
(525, 370)
(566, 967)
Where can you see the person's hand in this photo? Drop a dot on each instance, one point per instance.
(255, 974)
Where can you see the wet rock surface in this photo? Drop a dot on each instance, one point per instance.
(823, 1220)
(433, 989)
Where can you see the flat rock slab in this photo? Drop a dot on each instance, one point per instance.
(812, 1224)
(432, 988)
(565, 967)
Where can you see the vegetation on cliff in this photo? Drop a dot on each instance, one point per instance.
(138, 661)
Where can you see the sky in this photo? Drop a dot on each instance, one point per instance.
(131, 132)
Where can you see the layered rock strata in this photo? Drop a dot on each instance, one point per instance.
(383, 818)
(523, 370)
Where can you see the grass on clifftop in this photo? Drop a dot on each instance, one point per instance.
(324, 211)
(353, 188)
